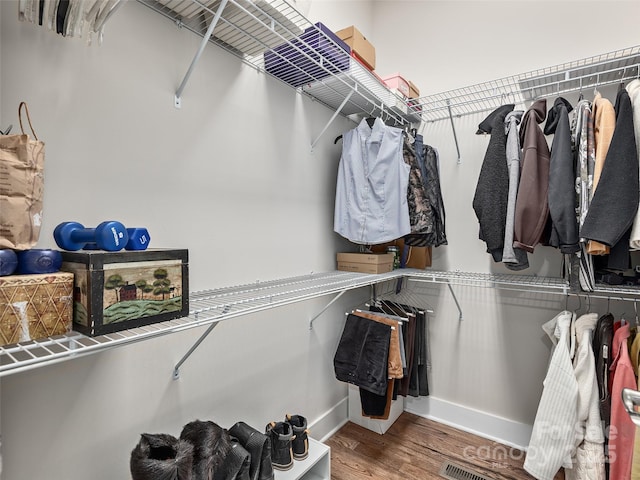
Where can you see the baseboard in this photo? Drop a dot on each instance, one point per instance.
(492, 427)
(331, 421)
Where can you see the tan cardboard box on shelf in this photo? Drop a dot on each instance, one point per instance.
(35, 306)
(365, 262)
(414, 92)
(365, 51)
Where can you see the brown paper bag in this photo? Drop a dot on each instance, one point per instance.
(21, 187)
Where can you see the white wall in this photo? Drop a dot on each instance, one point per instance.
(231, 177)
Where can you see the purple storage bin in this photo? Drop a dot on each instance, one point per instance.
(319, 53)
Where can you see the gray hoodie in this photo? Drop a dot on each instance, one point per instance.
(513, 258)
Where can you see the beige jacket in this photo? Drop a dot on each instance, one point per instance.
(604, 123)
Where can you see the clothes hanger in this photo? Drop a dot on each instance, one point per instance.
(6, 132)
(383, 314)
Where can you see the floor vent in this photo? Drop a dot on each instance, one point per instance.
(456, 472)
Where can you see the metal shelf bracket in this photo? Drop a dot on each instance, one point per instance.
(455, 299)
(455, 137)
(203, 44)
(176, 369)
(333, 117)
(325, 308)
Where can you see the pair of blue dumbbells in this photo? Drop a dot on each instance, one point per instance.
(110, 236)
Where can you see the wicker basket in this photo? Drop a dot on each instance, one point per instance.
(35, 306)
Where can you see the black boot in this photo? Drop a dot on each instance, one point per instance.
(259, 447)
(281, 435)
(300, 443)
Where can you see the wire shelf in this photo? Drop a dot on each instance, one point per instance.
(605, 69)
(205, 307)
(216, 305)
(526, 283)
(275, 38)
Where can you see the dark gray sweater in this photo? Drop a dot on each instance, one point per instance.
(562, 177)
(492, 190)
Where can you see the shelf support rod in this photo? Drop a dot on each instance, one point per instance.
(205, 40)
(453, 127)
(176, 369)
(333, 117)
(455, 299)
(325, 308)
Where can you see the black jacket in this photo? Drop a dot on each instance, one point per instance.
(615, 201)
(492, 190)
(561, 195)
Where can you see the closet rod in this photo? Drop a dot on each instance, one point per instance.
(203, 44)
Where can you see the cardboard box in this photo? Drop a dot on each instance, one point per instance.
(365, 262)
(120, 290)
(35, 306)
(417, 257)
(396, 81)
(314, 55)
(414, 92)
(364, 50)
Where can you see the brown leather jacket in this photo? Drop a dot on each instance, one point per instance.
(532, 207)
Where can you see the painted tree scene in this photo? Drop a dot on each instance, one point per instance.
(134, 290)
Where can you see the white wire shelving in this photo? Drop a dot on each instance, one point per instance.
(211, 307)
(206, 307)
(575, 76)
(275, 38)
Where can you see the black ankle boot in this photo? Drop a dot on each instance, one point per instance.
(300, 443)
(281, 435)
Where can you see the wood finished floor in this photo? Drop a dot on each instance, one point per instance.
(415, 448)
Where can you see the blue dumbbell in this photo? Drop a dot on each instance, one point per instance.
(8, 262)
(111, 236)
(139, 239)
(37, 261)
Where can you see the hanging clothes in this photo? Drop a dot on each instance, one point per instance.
(622, 432)
(604, 123)
(562, 197)
(371, 191)
(532, 204)
(583, 141)
(374, 405)
(602, 350)
(588, 459)
(362, 354)
(420, 213)
(615, 202)
(434, 194)
(548, 453)
(513, 258)
(430, 169)
(634, 356)
(492, 190)
(633, 88)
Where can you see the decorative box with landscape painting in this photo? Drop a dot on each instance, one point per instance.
(120, 290)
